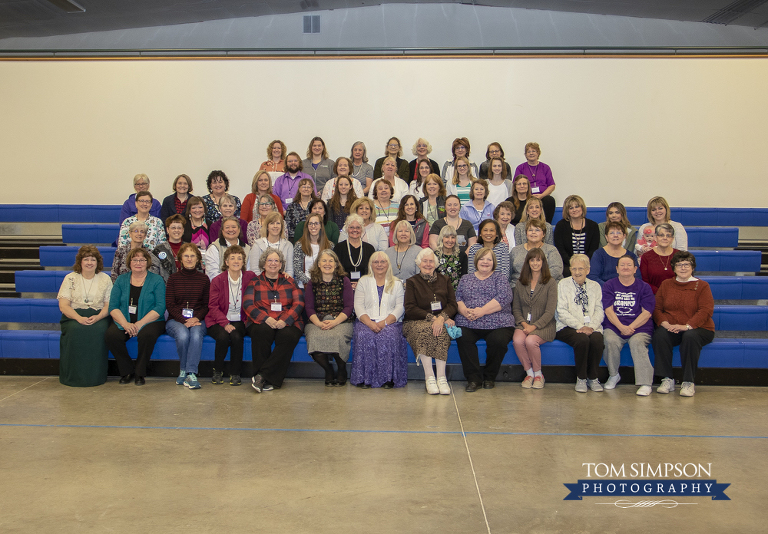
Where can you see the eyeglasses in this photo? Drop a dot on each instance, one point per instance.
(393, 145)
(421, 145)
(141, 183)
(139, 231)
(313, 223)
(272, 260)
(683, 264)
(265, 204)
(217, 180)
(144, 202)
(139, 260)
(462, 166)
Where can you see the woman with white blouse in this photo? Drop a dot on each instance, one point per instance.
(229, 235)
(579, 319)
(658, 213)
(84, 304)
(399, 187)
(503, 214)
(272, 236)
(380, 351)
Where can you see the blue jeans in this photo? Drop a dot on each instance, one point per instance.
(189, 344)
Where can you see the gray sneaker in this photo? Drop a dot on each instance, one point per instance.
(687, 389)
(594, 385)
(612, 381)
(180, 378)
(667, 385)
(257, 383)
(581, 385)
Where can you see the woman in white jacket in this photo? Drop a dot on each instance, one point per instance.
(380, 355)
(579, 321)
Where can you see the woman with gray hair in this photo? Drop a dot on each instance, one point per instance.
(656, 265)
(579, 321)
(402, 255)
(140, 183)
(421, 149)
(361, 170)
(137, 231)
(451, 261)
(430, 304)
(273, 306)
(354, 253)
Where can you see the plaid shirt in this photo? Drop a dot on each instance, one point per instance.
(260, 294)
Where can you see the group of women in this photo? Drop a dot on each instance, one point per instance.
(392, 256)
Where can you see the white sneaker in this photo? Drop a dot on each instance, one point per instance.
(667, 385)
(431, 384)
(442, 385)
(643, 391)
(581, 385)
(612, 381)
(594, 385)
(687, 389)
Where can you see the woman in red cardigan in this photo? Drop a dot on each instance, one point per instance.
(226, 317)
(683, 314)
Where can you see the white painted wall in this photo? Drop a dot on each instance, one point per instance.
(612, 129)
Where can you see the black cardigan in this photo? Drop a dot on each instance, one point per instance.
(564, 244)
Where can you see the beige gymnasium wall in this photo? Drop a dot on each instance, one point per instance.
(76, 131)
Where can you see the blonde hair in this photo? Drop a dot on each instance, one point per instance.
(455, 180)
(574, 199)
(269, 219)
(411, 239)
(254, 183)
(389, 278)
(655, 202)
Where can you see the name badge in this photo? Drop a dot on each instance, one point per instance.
(534, 189)
(436, 306)
(132, 309)
(586, 319)
(188, 313)
(529, 318)
(354, 275)
(287, 201)
(276, 306)
(461, 240)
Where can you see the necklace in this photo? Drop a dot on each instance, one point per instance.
(397, 255)
(88, 291)
(666, 266)
(532, 169)
(354, 263)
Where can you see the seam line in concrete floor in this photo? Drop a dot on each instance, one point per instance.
(471, 464)
(359, 431)
(24, 389)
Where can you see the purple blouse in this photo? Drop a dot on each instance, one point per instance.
(476, 293)
(543, 178)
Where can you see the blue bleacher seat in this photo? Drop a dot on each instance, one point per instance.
(39, 281)
(727, 260)
(89, 233)
(56, 256)
(59, 213)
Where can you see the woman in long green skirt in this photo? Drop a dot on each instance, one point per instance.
(84, 304)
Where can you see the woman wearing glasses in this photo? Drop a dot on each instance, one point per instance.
(683, 314)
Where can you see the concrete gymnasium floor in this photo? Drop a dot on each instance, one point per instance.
(306, 458)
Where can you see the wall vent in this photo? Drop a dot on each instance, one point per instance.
(311, 23)
(733, 11)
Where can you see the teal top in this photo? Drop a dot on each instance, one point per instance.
(152, 296)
